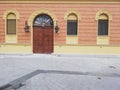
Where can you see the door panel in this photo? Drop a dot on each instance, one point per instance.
(42, 39)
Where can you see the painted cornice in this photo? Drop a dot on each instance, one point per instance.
(61, 1)
(69, 0)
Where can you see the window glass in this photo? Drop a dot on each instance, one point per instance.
(11, 24)
(72, 21)
(43, 20)
(71, 27)
(102, 27)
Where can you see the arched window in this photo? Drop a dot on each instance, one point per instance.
(103, 25)
(103, 18)
(72, 24)
(11, 23)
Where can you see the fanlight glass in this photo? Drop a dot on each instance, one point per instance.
(43, 20)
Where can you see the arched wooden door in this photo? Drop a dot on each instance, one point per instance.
(43, 34)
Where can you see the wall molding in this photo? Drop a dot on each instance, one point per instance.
(103, 11)
(58, 2)
(14, 11)
(41, 11)
(72, 11)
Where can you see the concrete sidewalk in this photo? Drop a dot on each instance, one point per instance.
(96, 72)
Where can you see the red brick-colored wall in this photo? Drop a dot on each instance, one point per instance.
(87, 24)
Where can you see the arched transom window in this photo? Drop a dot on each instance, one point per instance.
(43, 20)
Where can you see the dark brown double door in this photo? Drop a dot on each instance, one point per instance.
(42, 39)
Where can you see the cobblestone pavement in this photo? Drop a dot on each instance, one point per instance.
(62, 72)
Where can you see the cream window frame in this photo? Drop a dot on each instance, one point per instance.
(10, 38)
(72, 15)
(103, 39)
(72, 39)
